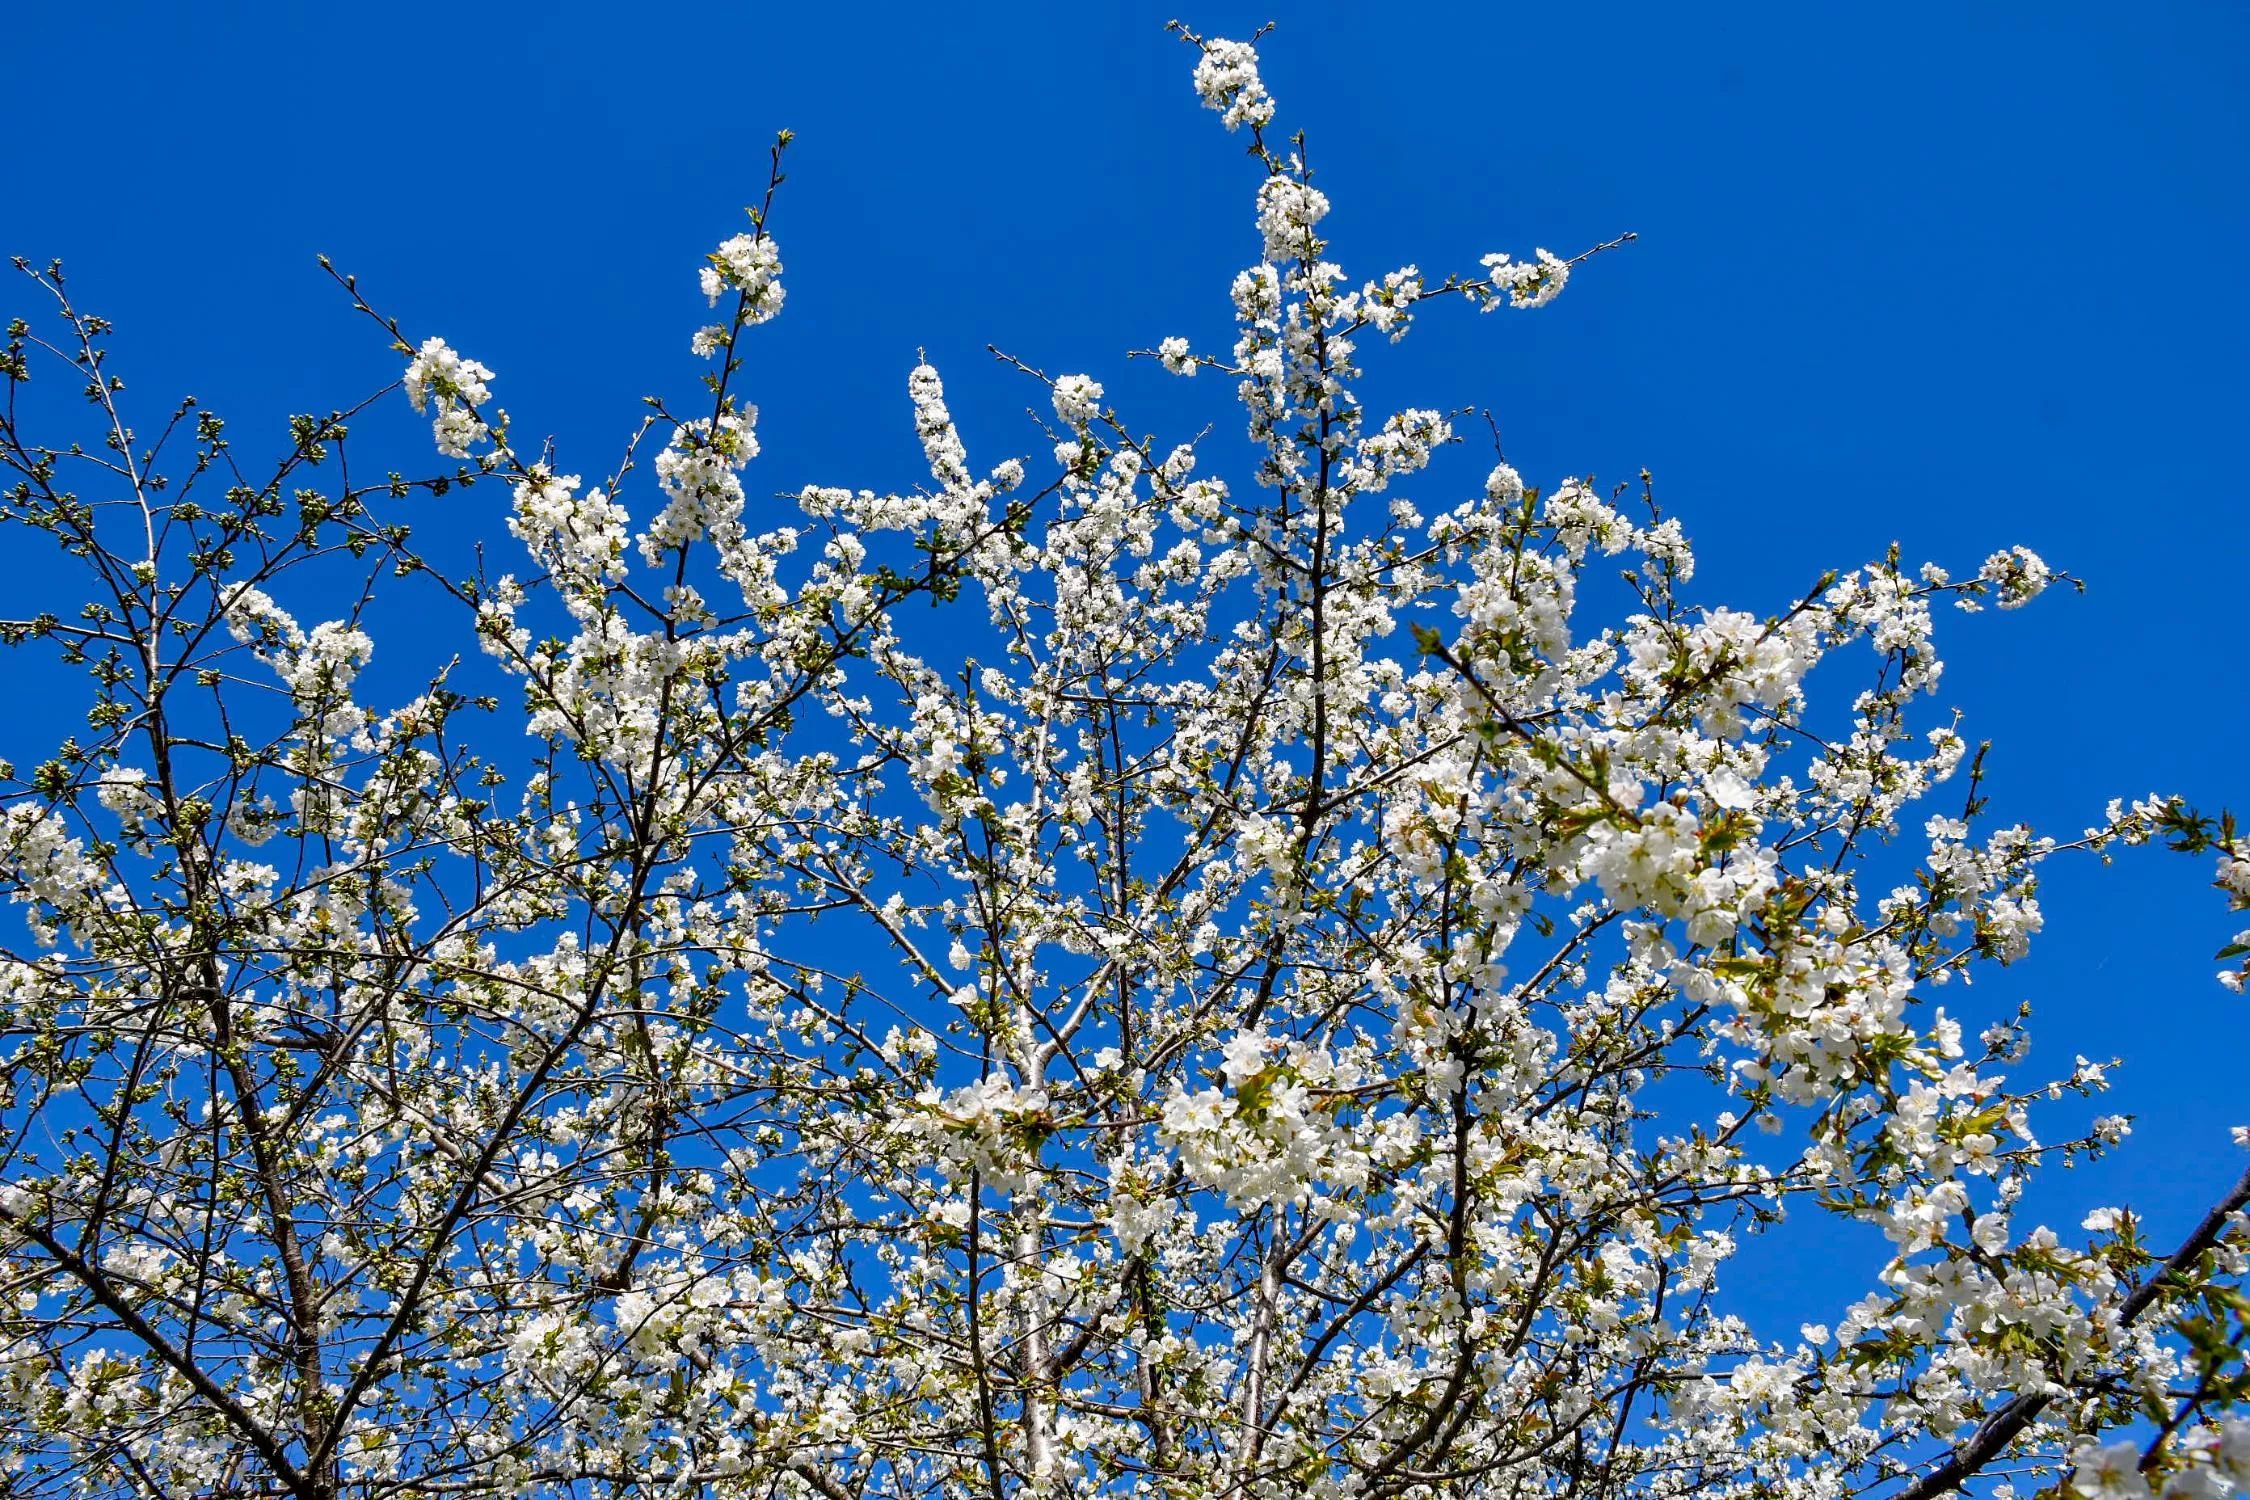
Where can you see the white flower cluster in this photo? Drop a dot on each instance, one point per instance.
(696, 471)
(1226, 78)
(751, 266)
(318, 668)
(2016, 576)
(1287, 211)
(2234, 879)
(994, 1127)
(941, 444)
(580, 537)
(1078, 400)
(456, 387)
(1524, 283)
(2219, 1467)
(45, 867)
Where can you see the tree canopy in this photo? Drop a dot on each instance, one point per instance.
(1134, 970)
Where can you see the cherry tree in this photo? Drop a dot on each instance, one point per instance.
(1270, 999)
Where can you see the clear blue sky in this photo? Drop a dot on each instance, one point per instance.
(1955, 276)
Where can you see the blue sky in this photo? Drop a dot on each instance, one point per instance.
(1954, 276)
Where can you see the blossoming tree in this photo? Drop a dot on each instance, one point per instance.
(1303, 1011)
